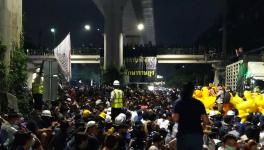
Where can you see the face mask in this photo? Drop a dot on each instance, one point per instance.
(229, 148)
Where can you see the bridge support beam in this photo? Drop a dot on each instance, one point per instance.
(10, 25)
(50, 71)
(113, 36)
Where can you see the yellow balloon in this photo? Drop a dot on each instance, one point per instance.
(261, 110)
(247, 94)
(236, 100)
(242, 114)
(205, 92)
(207, 111)
(259, 100)
(243, 120)
(242, 106)
(198, 93)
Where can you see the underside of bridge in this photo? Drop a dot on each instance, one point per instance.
(121, 19)
(135, 12)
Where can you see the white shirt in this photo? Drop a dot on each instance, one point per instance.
(163, 123)
(219, 100)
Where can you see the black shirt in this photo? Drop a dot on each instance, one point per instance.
(190, 111)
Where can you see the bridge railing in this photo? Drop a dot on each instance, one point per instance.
(210, 54)
(181, 51)
(89, 51)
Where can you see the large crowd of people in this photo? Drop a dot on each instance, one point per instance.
(115, 118)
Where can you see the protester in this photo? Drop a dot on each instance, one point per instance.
(189, 120)
(110, 143)
(81, 119)
(229, 143)
(22, 141)
(8, 129)
(117, 100)
(220, 98)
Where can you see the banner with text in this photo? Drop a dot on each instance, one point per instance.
(63, 55)
(141, 69)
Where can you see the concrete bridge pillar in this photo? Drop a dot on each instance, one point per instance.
(112, 11)
(10, 25)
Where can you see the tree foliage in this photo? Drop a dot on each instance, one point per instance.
(17, 79)
(3, 84)
(18, 70)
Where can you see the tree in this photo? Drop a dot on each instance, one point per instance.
(3, 84)
(3, 80)
(17, 78)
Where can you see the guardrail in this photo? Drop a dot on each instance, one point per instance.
(131, 51)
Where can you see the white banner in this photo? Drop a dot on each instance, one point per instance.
(63, 55)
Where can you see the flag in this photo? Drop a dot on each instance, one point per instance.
(62, 54)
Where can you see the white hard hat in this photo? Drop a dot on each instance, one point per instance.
(116, 82)
(90, 124)
(46, 113)
(230, 113)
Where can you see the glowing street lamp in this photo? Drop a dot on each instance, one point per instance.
(87, 27)
(140, 26)
(53, 31)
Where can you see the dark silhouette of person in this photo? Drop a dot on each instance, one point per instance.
(189, 113)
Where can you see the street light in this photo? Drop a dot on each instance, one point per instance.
(53, 31)
(87, 27)
(140, 27)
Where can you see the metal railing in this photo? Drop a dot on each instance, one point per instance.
(88, 51)
(210, 54)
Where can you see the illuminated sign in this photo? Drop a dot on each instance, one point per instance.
(141, 69)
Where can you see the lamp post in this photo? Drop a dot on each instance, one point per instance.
(87, 28)
(53, 31)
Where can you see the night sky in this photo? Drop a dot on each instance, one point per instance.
(176, 21)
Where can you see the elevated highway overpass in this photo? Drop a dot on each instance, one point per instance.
(34, 61)
(162, 59)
